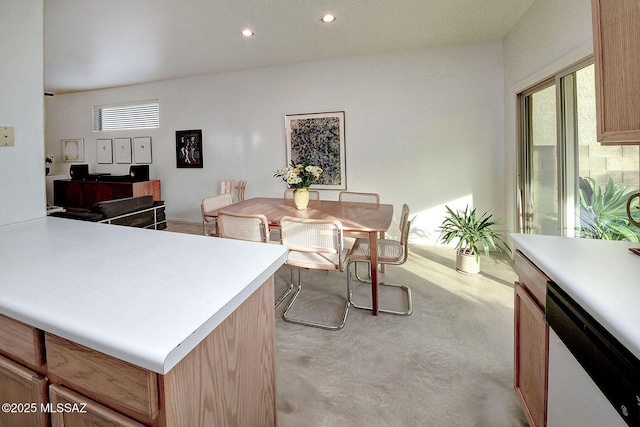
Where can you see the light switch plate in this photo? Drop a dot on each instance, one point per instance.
(6, 135)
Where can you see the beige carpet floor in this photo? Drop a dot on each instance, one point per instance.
(448, 364)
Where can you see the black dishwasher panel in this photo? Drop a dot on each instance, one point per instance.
(613, 368)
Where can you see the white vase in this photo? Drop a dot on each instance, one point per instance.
(467, 263)
(301, 198)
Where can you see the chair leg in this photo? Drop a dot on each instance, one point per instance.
(405, 288)
(206, 227)
(307, 322)
(360, 279)
(287, 292)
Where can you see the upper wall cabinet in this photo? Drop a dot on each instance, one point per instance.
(616, 32)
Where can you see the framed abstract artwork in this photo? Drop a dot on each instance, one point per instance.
(320, 139)
(142, 149)
(189, 148)
(104, 149)
(122, 150)
(72, 150)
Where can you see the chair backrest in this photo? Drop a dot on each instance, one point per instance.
(323, 237)
(404, 225)
(213, 203)
(313, 194)
(254, 227)
(226, 186)
(241, 187)
(352, 196)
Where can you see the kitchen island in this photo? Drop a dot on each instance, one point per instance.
(188, 320)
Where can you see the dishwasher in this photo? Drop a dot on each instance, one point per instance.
(593, 379)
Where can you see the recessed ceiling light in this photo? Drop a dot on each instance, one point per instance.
(328, 18)
(247, 33)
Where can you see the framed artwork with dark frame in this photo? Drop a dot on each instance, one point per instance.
(320, 139)
(189, 148)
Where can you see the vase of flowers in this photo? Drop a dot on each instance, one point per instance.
(299, 177)
(301, 198)
(48, 160)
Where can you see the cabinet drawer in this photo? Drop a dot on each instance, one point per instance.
(22, 343)
(83, 411)
(531, 278)
(110, 381)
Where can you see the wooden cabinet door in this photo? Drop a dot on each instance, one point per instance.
(25, 392)
(70, 409)
(68, 193)
(531, 356)
(616, 31)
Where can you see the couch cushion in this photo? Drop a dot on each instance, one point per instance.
(140, 220)
(111, 208)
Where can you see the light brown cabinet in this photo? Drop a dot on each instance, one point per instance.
(531, 341)
(616, 31)
(23, 394)
(78, 411)
(127, 388)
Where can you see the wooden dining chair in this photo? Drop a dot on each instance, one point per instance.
(313, 194)
(359, 197)
(313, 244)
(226, 186)
(352, 196)
(390, 252)
(241, 187)
(210, 205)
(250, 227)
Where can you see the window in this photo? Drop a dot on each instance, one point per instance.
(139, 115)
(569, 184)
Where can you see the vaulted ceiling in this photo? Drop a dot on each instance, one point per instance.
(91, 44)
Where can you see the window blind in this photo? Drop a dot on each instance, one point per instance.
(126, 116)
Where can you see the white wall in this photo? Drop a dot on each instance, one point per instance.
(22, 184)
(551, 36)
(422, 127)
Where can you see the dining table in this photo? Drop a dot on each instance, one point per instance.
(369, 218)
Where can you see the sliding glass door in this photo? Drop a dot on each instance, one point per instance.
(540, 168)
(569, 184)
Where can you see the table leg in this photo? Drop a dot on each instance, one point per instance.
(382, 267)
(373, 252)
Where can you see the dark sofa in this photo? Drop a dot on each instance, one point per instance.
(142, 212)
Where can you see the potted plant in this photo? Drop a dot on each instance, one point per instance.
(471, 233)
(299, 177)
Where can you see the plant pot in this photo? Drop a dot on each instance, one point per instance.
(301, 198)
(467, 263)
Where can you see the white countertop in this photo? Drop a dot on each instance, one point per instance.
(602, 276)
(144, 296)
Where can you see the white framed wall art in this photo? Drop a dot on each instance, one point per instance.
(142, 150)
(122, 150)
(104, 149)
